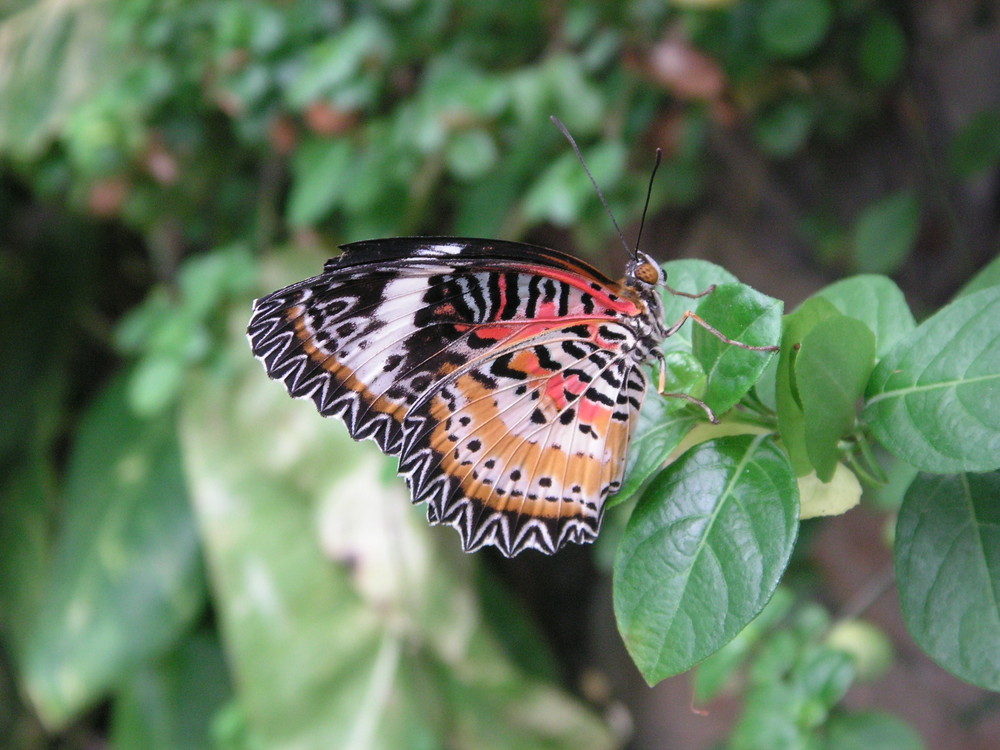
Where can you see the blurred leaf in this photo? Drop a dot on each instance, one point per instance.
(948, 572)
(987, 277)
(484, 207)
(471, 154)
(699, 4)
(25, 540)
(900, 476)
(319, 182)
(703, 552)
(792, 28)
(519, 635)
(794, 683)
(208, 279)
(561, 192)
(577, 101)
(826, 674)
(835, 359)
(126, 579)
(882, 51)
(338, 59)
(791, 421)
(886, 232)
(976, 147)
(155, 383)
(838, 495)
(868, 646)
(171, 705)
(346, 623)
(770, 719)
(140, 324)
(680, 181)
(53, 55)
(783, 128)
(455, 91)
(870, 729)
(933, 400)
(745, 315)
(719, 669)
(877, 302)
(171, 331)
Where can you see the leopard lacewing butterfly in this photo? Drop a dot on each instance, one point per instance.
(506, 377)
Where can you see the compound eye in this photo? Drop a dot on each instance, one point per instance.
(648, 273)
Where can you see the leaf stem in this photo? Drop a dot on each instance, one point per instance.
(870, 471)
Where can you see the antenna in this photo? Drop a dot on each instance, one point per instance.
(600, 195)
(649, 192)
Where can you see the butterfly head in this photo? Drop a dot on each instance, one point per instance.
(645, 270)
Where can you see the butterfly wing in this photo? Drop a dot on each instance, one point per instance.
(498, 372)
(521, 448)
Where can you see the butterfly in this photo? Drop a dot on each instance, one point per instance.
(506, 377)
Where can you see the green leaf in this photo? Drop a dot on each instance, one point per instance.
(703, 552)
(825, 673)
(745, 315)
(660, 429)
(563, 190)
(832, 368)
(318, 180)
(126, 579)
(934, 399)
(53, 57)
(882, 51)
(791, 421)
(454, 89)
(792, 28)
(987, 277)
(831, 498)
(869, 647)
(719, 669)
(26, 542)
(866, 730)
(337, 59)
(692, 276)
(471, 154)
(948, 572)
(976, 147)
(784, 127)
(877, 302)
(886, 232)
(171, 705)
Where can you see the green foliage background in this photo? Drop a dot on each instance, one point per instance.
(184, 560)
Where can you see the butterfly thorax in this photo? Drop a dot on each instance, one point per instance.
(642, 278)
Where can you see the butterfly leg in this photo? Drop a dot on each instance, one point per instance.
(661, 360)
(715, 332)
(661, 388)
(697, 402)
